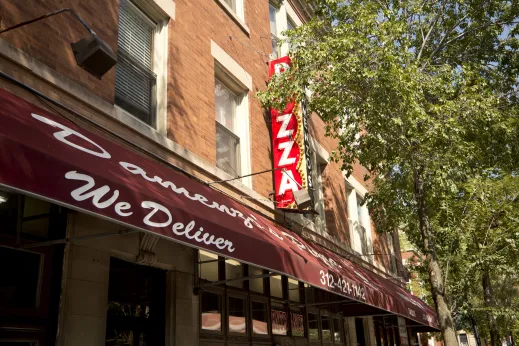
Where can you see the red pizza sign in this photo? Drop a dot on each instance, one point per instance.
(287, 146)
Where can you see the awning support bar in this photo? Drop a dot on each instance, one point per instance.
(326, 303)
(243, 278)
(83, 237)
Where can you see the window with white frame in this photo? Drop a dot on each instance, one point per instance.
(317, 166)
(393, 267)
(227, 141)
(135, 78)
(359, 224)
(232, 86)
(276, 49)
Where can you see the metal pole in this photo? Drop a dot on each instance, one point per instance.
(78, 17)
(83, 237)
(243, 176)
(243, 278)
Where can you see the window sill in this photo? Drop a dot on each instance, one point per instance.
(234, 16)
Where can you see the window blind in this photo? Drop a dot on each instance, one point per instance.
(134, 79)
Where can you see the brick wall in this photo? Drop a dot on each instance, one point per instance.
(190, 89)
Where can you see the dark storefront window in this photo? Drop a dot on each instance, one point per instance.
(211, 307)
(337, 330)
(293, 290)
(19, 287)
(313, 326)
(259, 318)
(297, 322)
(279, 319)
(136, 305)
(359, 329)
(326, 327)
(237, 315)
(30, 279)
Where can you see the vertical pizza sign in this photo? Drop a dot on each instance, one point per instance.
(288, 147)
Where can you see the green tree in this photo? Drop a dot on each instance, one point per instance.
(422, 93)
(481, 256)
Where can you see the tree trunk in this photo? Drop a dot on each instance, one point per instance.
(433, 267)
(488, 296)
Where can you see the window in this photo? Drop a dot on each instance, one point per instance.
(464, 340)
(135, 80)
(279, 319)
(136, 304)
(211, 309)
(393, 259)
(233, 270)
(337, 329)
(276, 53)
(208, 266)
(227, 142)
(231, 4)
(359, 224)
(293, 290)
(317, 166)
(313, 326)
(256, 285)
(276, 286)
(326, 327)
(297, 324)
(20, 284)
(259, 318)
(237, 315)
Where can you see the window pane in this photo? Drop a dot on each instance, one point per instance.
(259, 318)
(231, 3)
(237, 321)
(325, 324)
(276, 286)
(211, 311)
(290, 24)
(38, 210)
(272, 14)
(19, 285)
(135, 33)
(293, 290)
(227, 151)
(233, 269)
(275, 48)
(337, 329)
(297, 323)
(313, 326)
(359, 210)
(279, 320)
(225, 105)
(256, 285)
(208, 271)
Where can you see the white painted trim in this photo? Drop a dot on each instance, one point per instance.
(231, 66)
(292, 14)
(239, 16)
(356, 185)
(229, 69)
(323, 155)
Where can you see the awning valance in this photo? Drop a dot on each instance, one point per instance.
(47, 156)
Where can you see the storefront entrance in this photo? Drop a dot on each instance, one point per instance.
(136, 305)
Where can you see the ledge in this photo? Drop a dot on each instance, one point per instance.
(234, 16)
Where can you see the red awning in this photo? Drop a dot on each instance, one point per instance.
(47, 156)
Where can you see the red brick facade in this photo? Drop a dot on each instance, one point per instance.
(190, 85)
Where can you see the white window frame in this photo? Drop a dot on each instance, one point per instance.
(319, 158)
(238, 15)
(160, 12)
(228, 71)
(284, 12)
(355, 190)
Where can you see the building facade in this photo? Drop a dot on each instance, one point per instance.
(103, 179)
